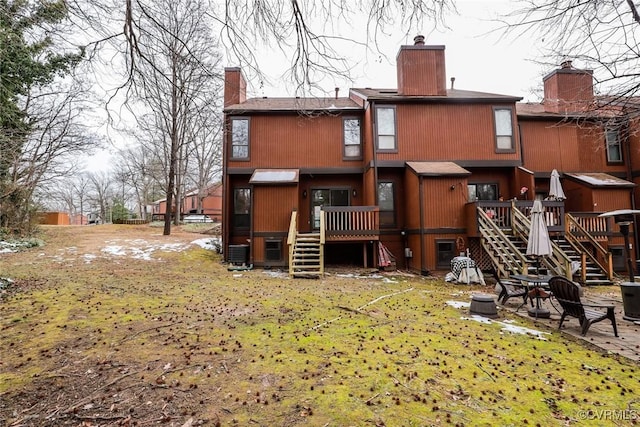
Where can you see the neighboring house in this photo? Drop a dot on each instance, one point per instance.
(211, 203)
(412, 171)
(54, 218)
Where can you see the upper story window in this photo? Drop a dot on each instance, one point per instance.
(504, 129)
(352, 138)
(614, 149)
(239, 138)
(386, 128)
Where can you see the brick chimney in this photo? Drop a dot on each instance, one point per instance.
(235, 86)
(568, 89)
(421, 69)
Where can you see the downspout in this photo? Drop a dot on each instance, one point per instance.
(627, 148)
(226, 215)
(421, 201)
(375, 153)
(251, 216)
(375, 167)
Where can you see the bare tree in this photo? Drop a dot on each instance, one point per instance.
(206, 153)
(57, 136)
(599, 35)
(317, 35)
(176, 85)
(101, 193)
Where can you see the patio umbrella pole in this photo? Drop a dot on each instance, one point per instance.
(624, 230)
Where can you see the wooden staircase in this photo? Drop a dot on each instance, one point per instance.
(507, 249)
(306, 259)
(306, 250)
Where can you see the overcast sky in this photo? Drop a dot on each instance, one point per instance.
(477, 55)
(479, 59)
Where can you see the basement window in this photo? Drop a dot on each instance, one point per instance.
(445, 251)
(273, 250)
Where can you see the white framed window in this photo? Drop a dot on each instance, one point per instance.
(504, 129)
(386, 128)
(352, 138)
(239, 138)
(614, 148)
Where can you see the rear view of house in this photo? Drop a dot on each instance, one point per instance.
(405, 175)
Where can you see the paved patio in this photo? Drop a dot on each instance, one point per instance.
(600, 334)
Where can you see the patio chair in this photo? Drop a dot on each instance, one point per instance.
(568, 295)
(509, 289)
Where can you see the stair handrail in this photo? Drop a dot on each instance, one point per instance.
(559, 261)
(323, 226)
(493, 237)
(291, 237)
(571, 224)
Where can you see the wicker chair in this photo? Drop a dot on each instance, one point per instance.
(568, 295)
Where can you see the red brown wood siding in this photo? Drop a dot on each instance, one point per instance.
(272, 207)
(548, 145)
(447, 132)
(292, 141)
(421, 70)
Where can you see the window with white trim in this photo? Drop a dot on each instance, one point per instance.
(239, 138)
(386, 128)
(504, 129)
(352, 138)
(614, 148)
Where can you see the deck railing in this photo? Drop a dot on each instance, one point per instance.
(577, 234)
(589, 223)
(352, 222)
(500, 212)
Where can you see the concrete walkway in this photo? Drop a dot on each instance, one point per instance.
(600, 334)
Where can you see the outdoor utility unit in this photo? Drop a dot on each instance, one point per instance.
(238, 254)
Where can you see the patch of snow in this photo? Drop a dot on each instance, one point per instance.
(211, 243)
(459, 304)
(7, 247)
(88, 258)
(508, 326)
(278, 274)
(114, 250)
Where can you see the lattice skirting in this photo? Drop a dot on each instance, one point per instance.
(478, 254)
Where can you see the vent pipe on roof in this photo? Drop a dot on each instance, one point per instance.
(337, 90)
(453, 80)
(418, 40)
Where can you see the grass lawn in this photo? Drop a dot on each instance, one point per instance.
(119, 326)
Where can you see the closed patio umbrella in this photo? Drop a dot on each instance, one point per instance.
(539, 243)
(538, 246)
(555, 188)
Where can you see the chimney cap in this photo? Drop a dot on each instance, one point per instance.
(566, 64)
(418, 40)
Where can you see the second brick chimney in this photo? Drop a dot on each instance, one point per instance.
(421, 69)
(235, 86)
(568, 89)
